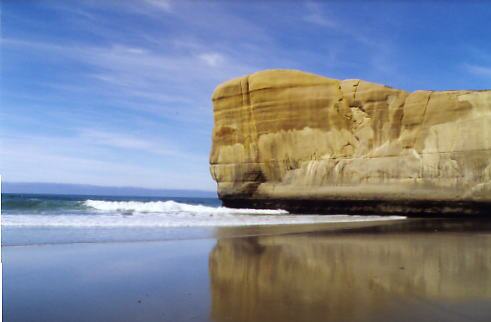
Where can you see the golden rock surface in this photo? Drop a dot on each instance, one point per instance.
(286, 134)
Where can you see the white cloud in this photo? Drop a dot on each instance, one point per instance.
(115, 140)
(212, 59)
(160, 4)
(144, 7)
(478, 70)
(144, 79)
(131, 142)
(316, 16)
(320, 20)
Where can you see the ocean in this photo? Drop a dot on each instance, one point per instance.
(44, 219)
(97, 258)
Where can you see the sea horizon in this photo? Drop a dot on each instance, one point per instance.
(56, 188)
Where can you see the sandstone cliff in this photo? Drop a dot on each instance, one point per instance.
(285, 138)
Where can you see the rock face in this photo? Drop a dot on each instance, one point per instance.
(294, 140)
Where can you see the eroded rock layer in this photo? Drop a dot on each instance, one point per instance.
(305, 142)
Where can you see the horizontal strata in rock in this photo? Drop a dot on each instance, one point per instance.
(286, 135)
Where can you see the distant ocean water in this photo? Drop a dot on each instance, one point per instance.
(29, 218)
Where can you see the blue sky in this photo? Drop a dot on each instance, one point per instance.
(118, 92)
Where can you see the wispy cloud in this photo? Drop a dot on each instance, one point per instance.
(160, 4)
(141, 77)
(212, 59)
(115, 140)
(41, 166)
(84, 159)
(132, 142)
(145, 7)
(478, 70)
(317, 16)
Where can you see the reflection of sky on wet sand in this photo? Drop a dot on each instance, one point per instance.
(110, 282)
(398, 276)
(410, 271)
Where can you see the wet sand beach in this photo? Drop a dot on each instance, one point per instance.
(424, 270)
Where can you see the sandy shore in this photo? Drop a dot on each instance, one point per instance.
(425, 270)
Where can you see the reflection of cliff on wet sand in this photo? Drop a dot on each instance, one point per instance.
(352, 277)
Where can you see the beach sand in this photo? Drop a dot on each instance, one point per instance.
(412, 270)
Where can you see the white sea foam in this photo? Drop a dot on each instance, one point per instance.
(172, 214)
(173, 207)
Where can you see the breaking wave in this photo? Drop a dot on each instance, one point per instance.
(172, 207)
(158, 214)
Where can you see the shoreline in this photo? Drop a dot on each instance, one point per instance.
(26, 235)
(161, 234)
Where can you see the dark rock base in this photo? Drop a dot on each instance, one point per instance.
(368, 207)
